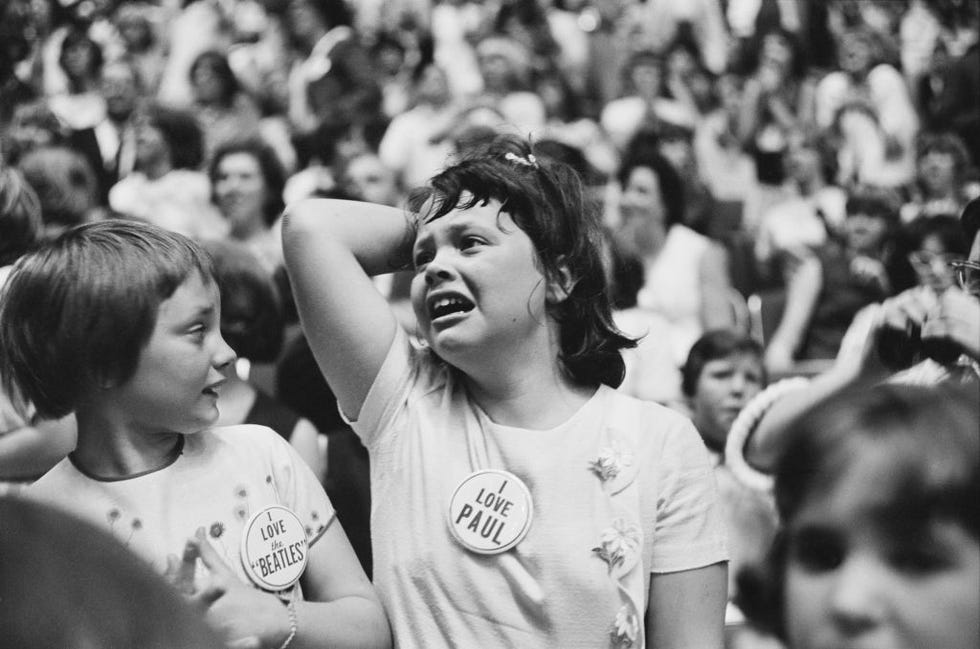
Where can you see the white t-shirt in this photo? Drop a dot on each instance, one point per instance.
(220, 479)
(657, 504)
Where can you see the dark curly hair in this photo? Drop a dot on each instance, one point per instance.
(546, 200)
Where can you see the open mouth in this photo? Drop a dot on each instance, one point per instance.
(212, 390)
(448, 305)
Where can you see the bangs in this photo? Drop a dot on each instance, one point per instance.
(467, 185)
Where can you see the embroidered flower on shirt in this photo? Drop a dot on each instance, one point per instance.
(113, 516)
(241, 491)
(618, 542)
(611, 460)
(241, 512)
(217, 529)
(625, 629)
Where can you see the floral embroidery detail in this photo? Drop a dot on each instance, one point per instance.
(241, 491)
(309, 531)
(315, 516)
(241, 512)
(217, 529)
(611, 461)
(625, 628)
(113, 516)
(134, 526)
(618, 542)
(268, 479)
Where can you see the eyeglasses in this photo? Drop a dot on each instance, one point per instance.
(968, 275)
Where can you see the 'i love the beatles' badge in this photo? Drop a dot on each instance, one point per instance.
(274, 548)
(490, 511)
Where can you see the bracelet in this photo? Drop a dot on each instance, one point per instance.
(745, 424)
(293, 623)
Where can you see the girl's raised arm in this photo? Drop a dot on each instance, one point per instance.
(332, 248)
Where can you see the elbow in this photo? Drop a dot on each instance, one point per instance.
(299, 220)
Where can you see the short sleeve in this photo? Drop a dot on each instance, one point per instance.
(390, 388)
(297, 487)
(690, 528)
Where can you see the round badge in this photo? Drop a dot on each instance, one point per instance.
(274, 548)
(490, 511)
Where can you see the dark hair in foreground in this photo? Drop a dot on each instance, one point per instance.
(77, 312)
(66, 583)
(927, 435)
(546, 200)
(719, 343)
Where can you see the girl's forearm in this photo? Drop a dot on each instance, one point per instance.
(378, 236)
(348, 622)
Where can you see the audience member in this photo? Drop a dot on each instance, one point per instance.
(141, 369)
(868, 106)
(643, 104)
(223, 110)
(253, 326)
(722, 374)
(509, 296)
(28, 447)
(942, 169)
(247, 185)
(876, 493)
(685, 274)
(166, 187)
(827, 288)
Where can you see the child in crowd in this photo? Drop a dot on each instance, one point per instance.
(518, 499)
(723, 372)
(877, 492)
(141, 365)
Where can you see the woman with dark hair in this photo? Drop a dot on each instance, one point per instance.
(79, 103)
(685, 274)
(224, 111)
(777, 103)
(247, 182)
(827, 287)
(166, 187)
(942, 165)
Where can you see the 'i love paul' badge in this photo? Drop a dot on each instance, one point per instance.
(274, 548)
(490, 511)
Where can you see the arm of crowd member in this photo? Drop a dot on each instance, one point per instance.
(30, 451)
(956, 317)
(332, 248)
(684, 604)
(716, 287)
(340, 607)
(802, 292)
(305, 438)
(863, 367)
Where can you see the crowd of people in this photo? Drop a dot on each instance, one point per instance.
(678, 298)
